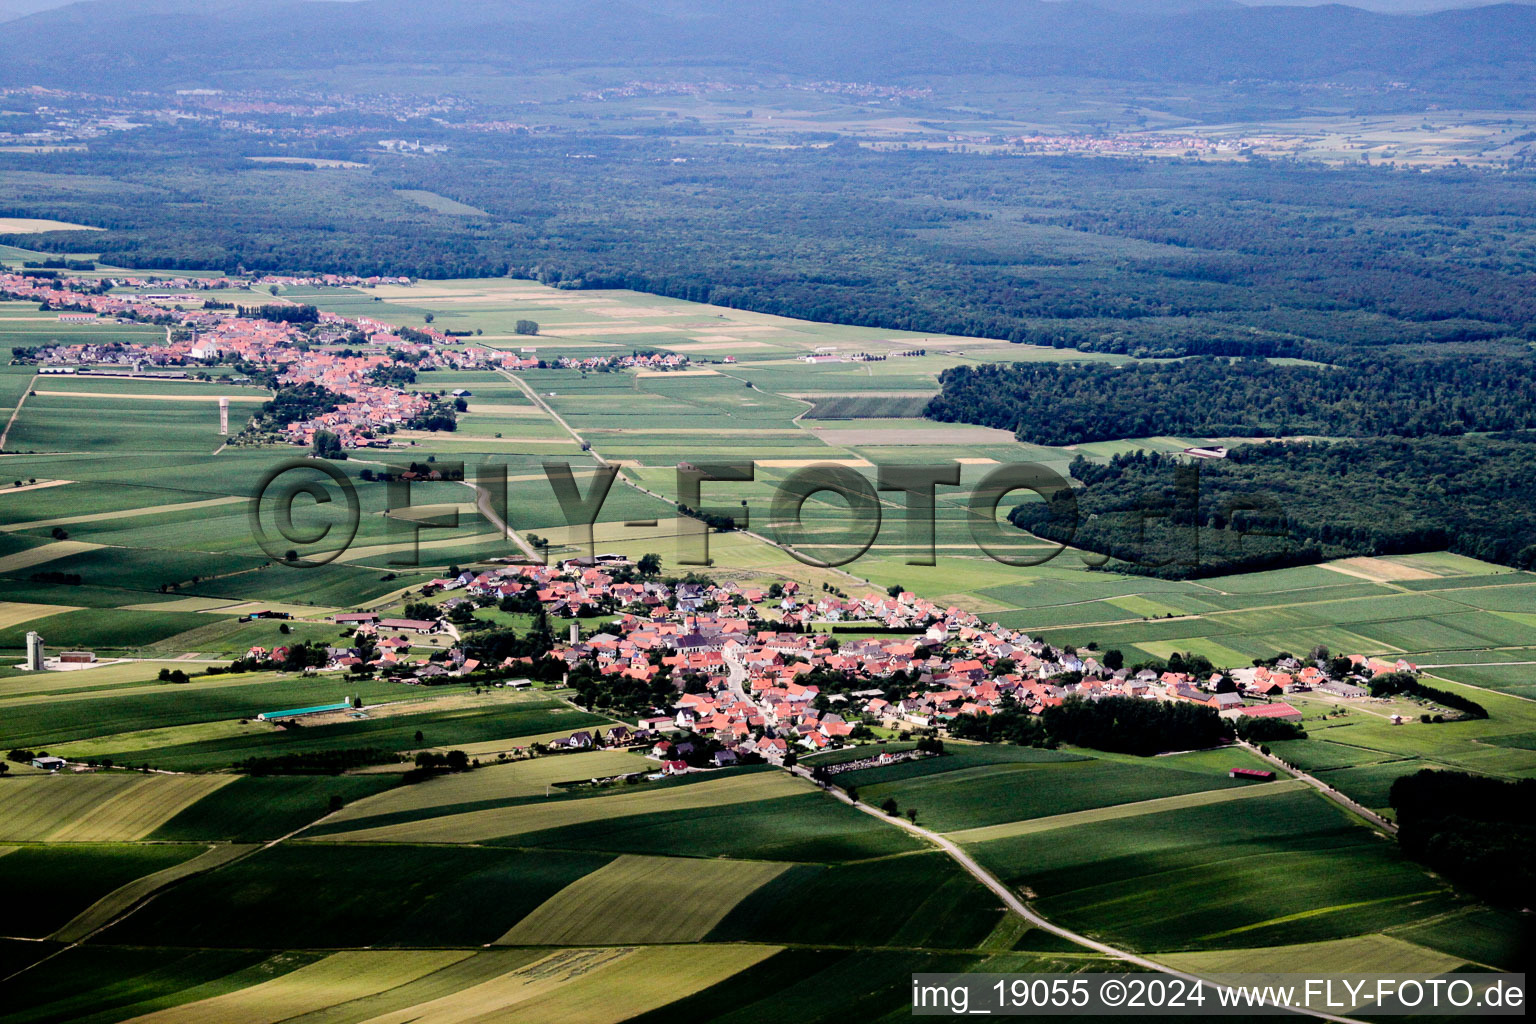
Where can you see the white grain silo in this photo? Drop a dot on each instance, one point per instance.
(34, 652)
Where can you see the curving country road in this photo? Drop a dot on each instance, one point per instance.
(1012, 902)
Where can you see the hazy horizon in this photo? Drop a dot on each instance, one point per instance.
(11, 10)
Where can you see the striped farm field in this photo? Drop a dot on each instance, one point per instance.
(583, 986)
(1364, 954)
(643, 900)
(64, 880)
(336, 979)
(29, 557)
(107, 908)
(1154, 806)
(494, 823)
(496, 782)
(105, 807)
(127, 513)
(14, 614)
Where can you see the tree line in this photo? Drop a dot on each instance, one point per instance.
(1480, 832)
(1271, 505)
(1123, 725)
(1066, 404)
(1114, 255)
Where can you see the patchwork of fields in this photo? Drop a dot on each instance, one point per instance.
(518, 890)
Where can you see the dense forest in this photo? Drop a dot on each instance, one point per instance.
(1479, 832)
(1272, 505)
(1145, 258)
(1052, 404)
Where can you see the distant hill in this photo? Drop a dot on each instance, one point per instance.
(163, 42)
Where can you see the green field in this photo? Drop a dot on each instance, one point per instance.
(254, 809)
(356, 896)
(533, 816)
(1282, 869)
(807, 827)
(918, 900)
(514, 891)
(38, 721)
(107, 983)
(106, 807)
(63, 880)
(643, 900)
(973, 795)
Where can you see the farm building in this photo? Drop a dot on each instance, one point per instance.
(1251, 773)
(77, 657)
(51, 764)
(1226, 702)
(1342, 689)
(414, 625)
(319, 709)
(1281, 710)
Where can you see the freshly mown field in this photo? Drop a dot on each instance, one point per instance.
(105, 807)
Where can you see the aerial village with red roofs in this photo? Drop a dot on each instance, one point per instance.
(735, 665)
(743, 669)
(226, 332)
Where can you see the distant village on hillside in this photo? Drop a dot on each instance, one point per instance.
(366, 363)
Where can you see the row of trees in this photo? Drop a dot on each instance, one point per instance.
(1125, 725)
(1390, 684)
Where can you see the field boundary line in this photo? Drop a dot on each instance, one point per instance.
(1370, 816)
(126, 895)
(1134, 809)
(250, 849)
(6, 434)
(1014, 903)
